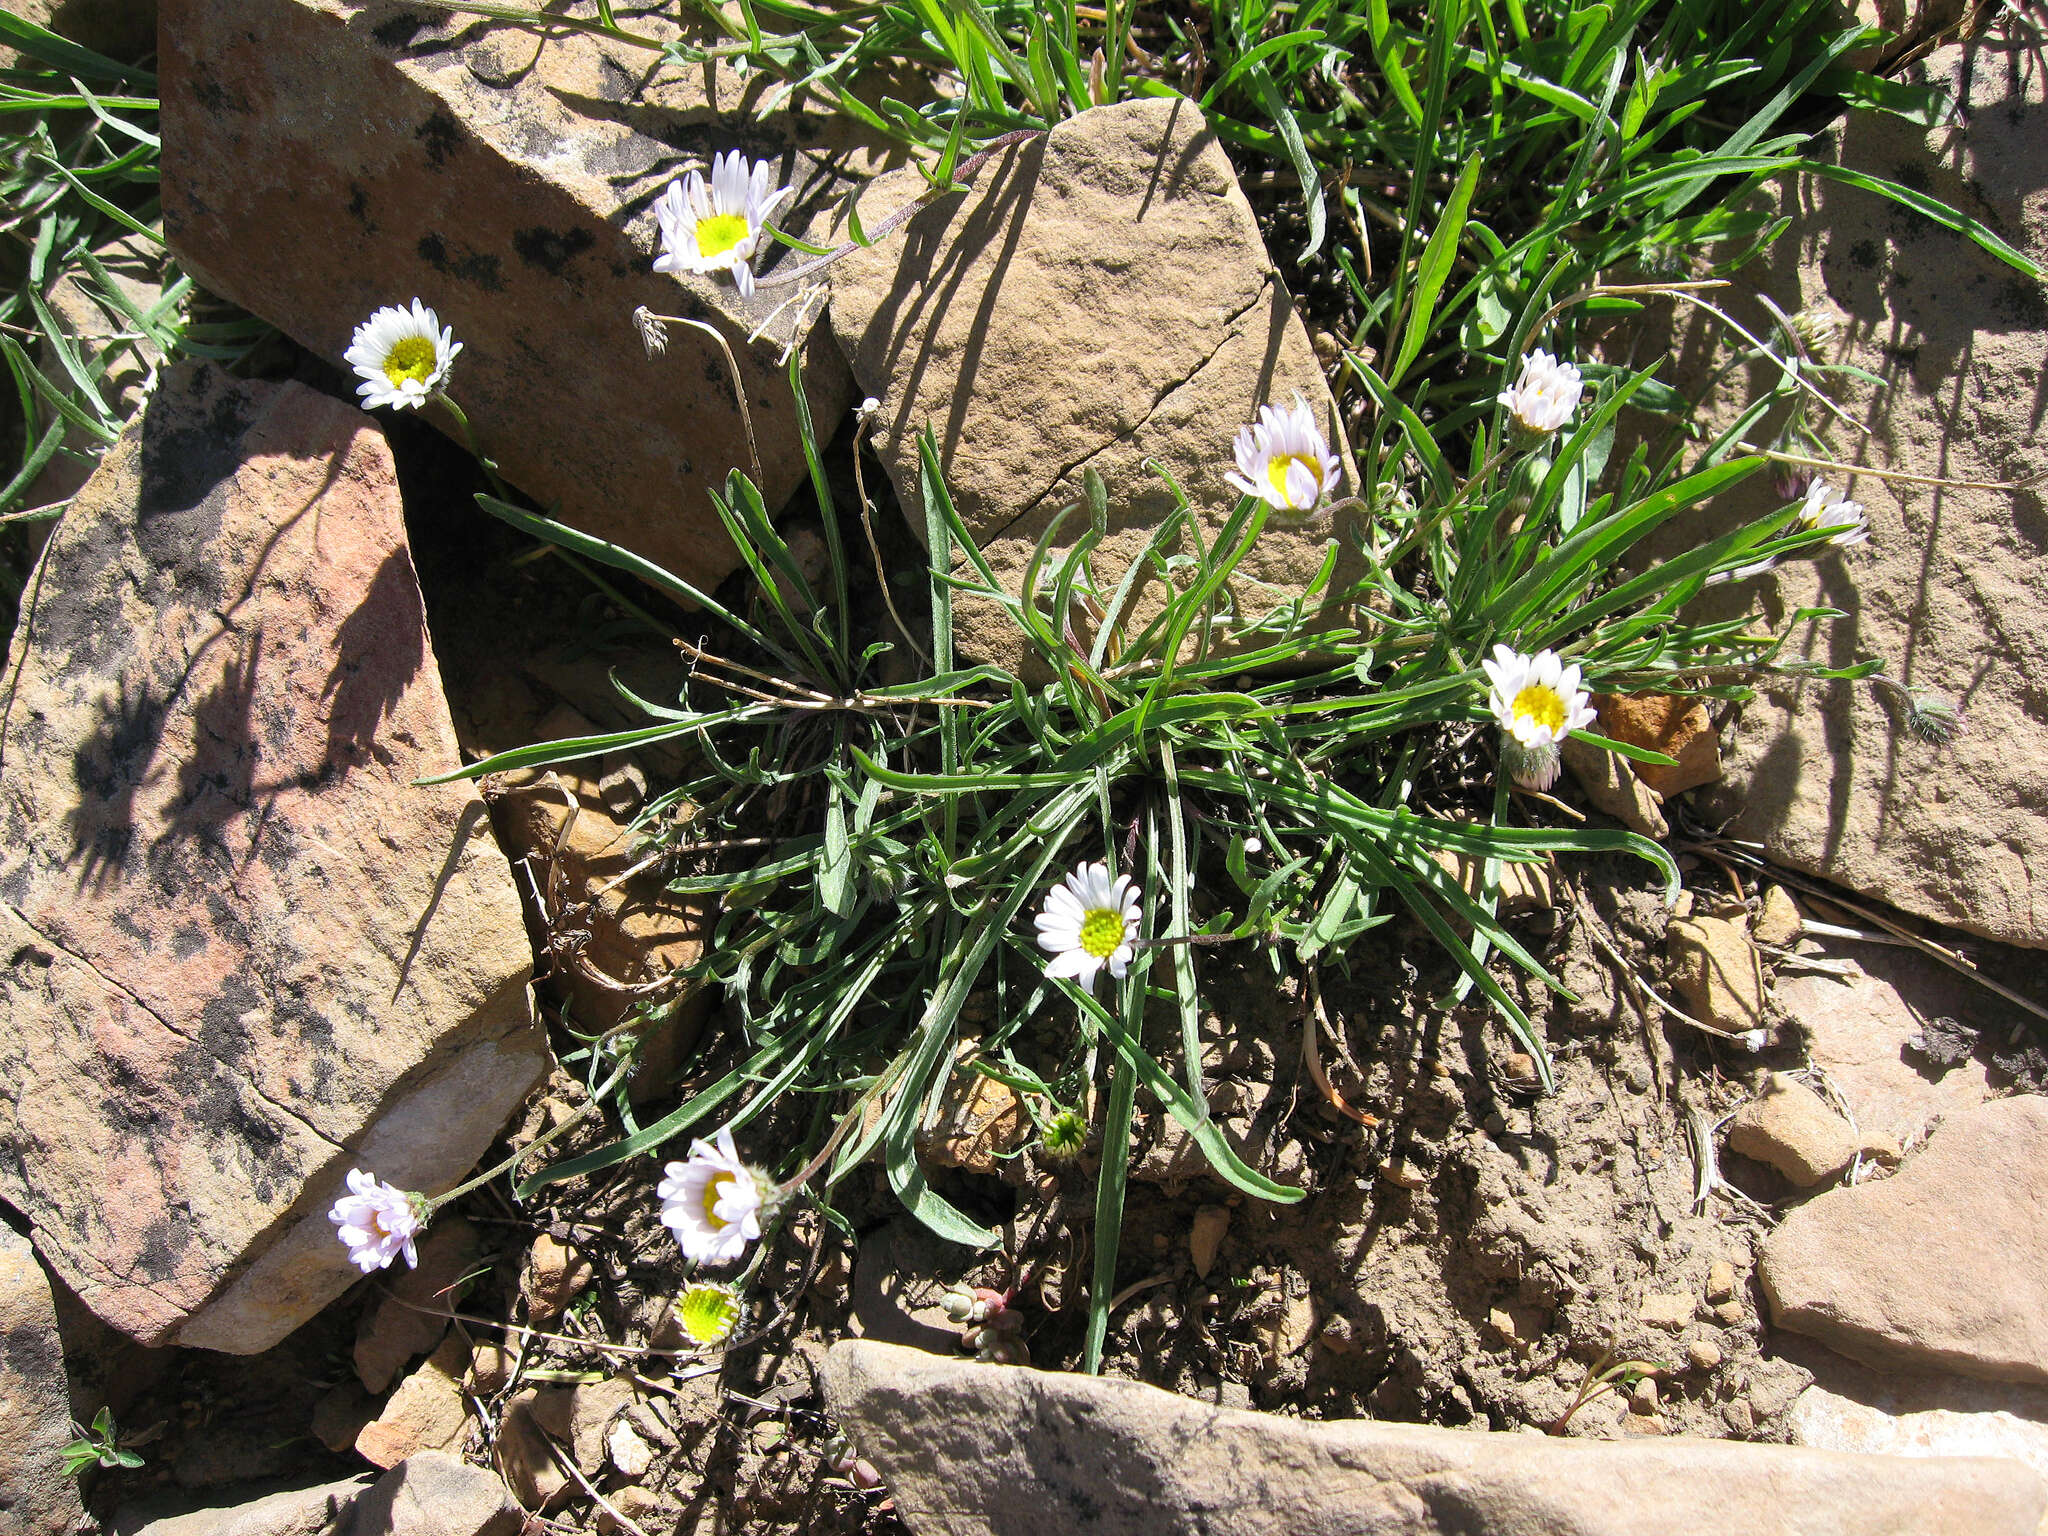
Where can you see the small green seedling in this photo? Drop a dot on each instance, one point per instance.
(100, 1444)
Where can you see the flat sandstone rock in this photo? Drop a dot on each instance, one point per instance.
(1949, 590)
(323, 159)
(1098, 297)
(244, 953)
(1943, 1266)
(979, 1450)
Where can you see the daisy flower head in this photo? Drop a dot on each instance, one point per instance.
(715, 225)
(712, 1202)
(707, 1310)
(402, 355)
(376, 1222)
(1284, 459)
(1089, 921)
(1538, 702)
(1545, 396)
(1827, 507)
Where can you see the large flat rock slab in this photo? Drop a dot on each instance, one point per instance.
(1950, 589)
(1097, 297)
(323, 159)
(243, 952)
(1943, 1266)
(978, 1450)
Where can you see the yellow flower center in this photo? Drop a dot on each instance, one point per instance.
(720, 233)
(412, 357)
(1542, 705)
(1102, 930)
(1276, 471)
(713, 1193)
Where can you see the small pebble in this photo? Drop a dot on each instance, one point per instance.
(1720, 1280)
(1642, 1424)
(1739, 1416)
(1642, 1397)
(1638, 1079)
(1666, 1310)
(1399, 1170)
(1704, 1354)
(1729, 1314)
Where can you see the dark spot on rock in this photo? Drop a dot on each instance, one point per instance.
(359, 205)
(163, 1248)
(441, 135)
(123, 923)
(477, 267)
(399, 31)
(227, 922)
(188, 941)
(1911, 173)
(216, 99)
(1865, 253)
(551, 250)
(614, 83)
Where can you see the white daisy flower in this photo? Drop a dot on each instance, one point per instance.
(402, 356)
(1545, 396)
(1089, 922)
(1285, 460)
(712, 1202)
(1538, 702)
(377, 1221)
(1827, 507)
(715, 226)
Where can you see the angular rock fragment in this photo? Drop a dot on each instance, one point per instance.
(36, 1498)
(1098, 297)
(324, 159)
(1943, 1266)
(431, 1494)
(1830, 776)
(427, 1413)
(1677, 727)
(1789, 1127)
(1715, 969)
(245, 953)
(977, 1450)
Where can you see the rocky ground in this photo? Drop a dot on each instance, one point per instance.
(1785, 1193)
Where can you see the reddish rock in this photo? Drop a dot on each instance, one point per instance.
(36, 1498)
(1679, 728)
(1943, 1266)
(246, 953)
(322, 160)
(1789, 1127)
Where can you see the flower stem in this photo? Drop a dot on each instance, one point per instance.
(596, 1100)
(490, 464)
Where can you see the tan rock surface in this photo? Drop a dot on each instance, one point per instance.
(431, 1494)
(1715, 969)
(1837, 1423)
(1612, 787)
(1098, 297)
(1943, 1266)
(1789, 1127)
(36, 1498)
(324, 159)
(247, 953)
(404, 1323)
(1857, 1031)
(1948, 590)
(427, 1413)
(968, 1449)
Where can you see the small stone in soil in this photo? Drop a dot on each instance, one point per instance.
(1729, 1314)
(1720, 1280)
(1205, 1237)
(1703, 1354)
(1672, 1310)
